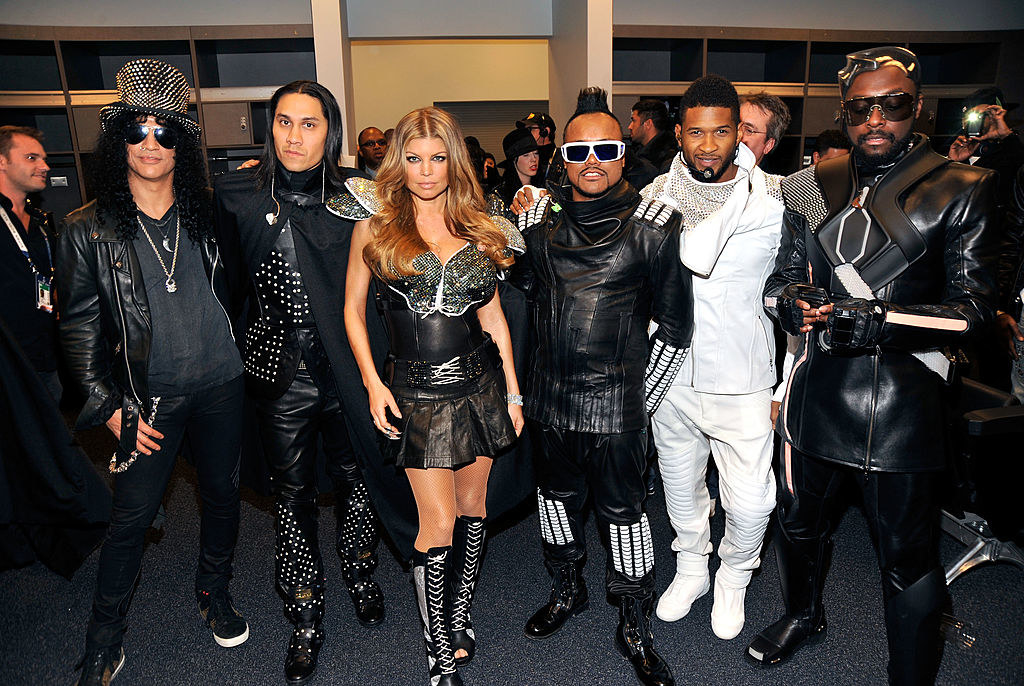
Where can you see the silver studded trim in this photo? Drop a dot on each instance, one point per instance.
(662, 368)
(365, 193)
(632, 548)
(515, 239)
(803, 195)
(652, 211)
(554, 524)
(263, 347)
(346, 206)
(535, 216)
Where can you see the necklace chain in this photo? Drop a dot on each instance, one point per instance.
(169, 284)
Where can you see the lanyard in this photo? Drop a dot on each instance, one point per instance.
(16, 235)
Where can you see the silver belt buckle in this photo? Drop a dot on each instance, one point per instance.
(447, 372)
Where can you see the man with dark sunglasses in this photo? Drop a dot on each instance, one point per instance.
(602, 263)
(886, 259)
(372, 147)
(145, 331)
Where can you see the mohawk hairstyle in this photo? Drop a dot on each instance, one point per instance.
(591, 100)
(710, 91)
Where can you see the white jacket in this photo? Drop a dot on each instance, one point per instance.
(731, 252)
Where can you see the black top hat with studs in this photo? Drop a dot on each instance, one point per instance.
(151, 87)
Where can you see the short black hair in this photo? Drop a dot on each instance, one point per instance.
(591, 100)
(8, 132)
(831, 138)
(655, 110)
(710, 91)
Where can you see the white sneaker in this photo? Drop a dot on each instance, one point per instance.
(675, 602)
(727, 612)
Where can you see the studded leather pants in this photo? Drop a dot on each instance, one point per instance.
(289, 428)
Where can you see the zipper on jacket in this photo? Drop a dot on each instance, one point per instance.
(874, 403)
(213, 271)
(124, 334)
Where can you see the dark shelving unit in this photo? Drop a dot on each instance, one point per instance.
(56, 79)
(800, 66)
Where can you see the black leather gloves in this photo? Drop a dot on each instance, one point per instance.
(854, 324)
(791, 317)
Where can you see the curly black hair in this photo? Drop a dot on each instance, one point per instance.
(109, 175)
(591, 100)
(710, 91)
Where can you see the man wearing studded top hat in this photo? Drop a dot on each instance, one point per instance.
(146, 334)
(886, 260)
(286, 253)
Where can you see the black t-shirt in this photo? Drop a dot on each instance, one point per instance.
(34, 329)
(191, 348)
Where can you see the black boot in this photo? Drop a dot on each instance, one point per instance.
(304, 608)
(357, 547)
(300, 580)
(635, 641)
(430, 574)
(568, 598)
(468, 550)
(802, 564)
(912, 620)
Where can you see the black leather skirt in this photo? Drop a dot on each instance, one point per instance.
(452, 411)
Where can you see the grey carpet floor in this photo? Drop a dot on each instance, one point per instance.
(43, 617)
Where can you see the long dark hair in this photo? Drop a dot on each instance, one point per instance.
(267, 167)
(109, 175)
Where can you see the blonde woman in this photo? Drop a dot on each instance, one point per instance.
(450, 399)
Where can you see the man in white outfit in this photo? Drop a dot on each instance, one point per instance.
(717, 401)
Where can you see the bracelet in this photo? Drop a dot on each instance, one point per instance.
(514, 399)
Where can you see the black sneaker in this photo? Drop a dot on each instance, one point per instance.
(99, 667)
(229, 628)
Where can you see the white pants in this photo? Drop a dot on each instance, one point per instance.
(736, 430)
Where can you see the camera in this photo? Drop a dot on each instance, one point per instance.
(974, 123)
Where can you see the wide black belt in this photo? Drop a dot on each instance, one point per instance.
(458, 370)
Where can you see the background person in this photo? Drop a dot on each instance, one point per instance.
(26, 249)
(650, 133)
(372, 146)
(764, 119)
(828, 144)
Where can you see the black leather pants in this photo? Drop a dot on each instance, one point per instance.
(903, 517)
(611, 468)
(290, 427)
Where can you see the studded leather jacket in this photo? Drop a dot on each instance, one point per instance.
(297, 276)
(922, 236)
(597, 273)
(105, 324)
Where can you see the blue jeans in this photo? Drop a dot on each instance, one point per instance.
(211, 421)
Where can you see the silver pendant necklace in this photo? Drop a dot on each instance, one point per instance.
(169, 283)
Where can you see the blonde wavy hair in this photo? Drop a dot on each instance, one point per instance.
(394, 241)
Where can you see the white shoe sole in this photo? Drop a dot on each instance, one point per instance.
(667, 614)
(232, 642)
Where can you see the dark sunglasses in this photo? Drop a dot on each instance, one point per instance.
(604, 151)
(164, 135)
(893, 107)
(379, 143)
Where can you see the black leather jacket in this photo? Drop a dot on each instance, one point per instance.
(881, 409)
(596, 273)
(1011, 257)
(105, 327)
